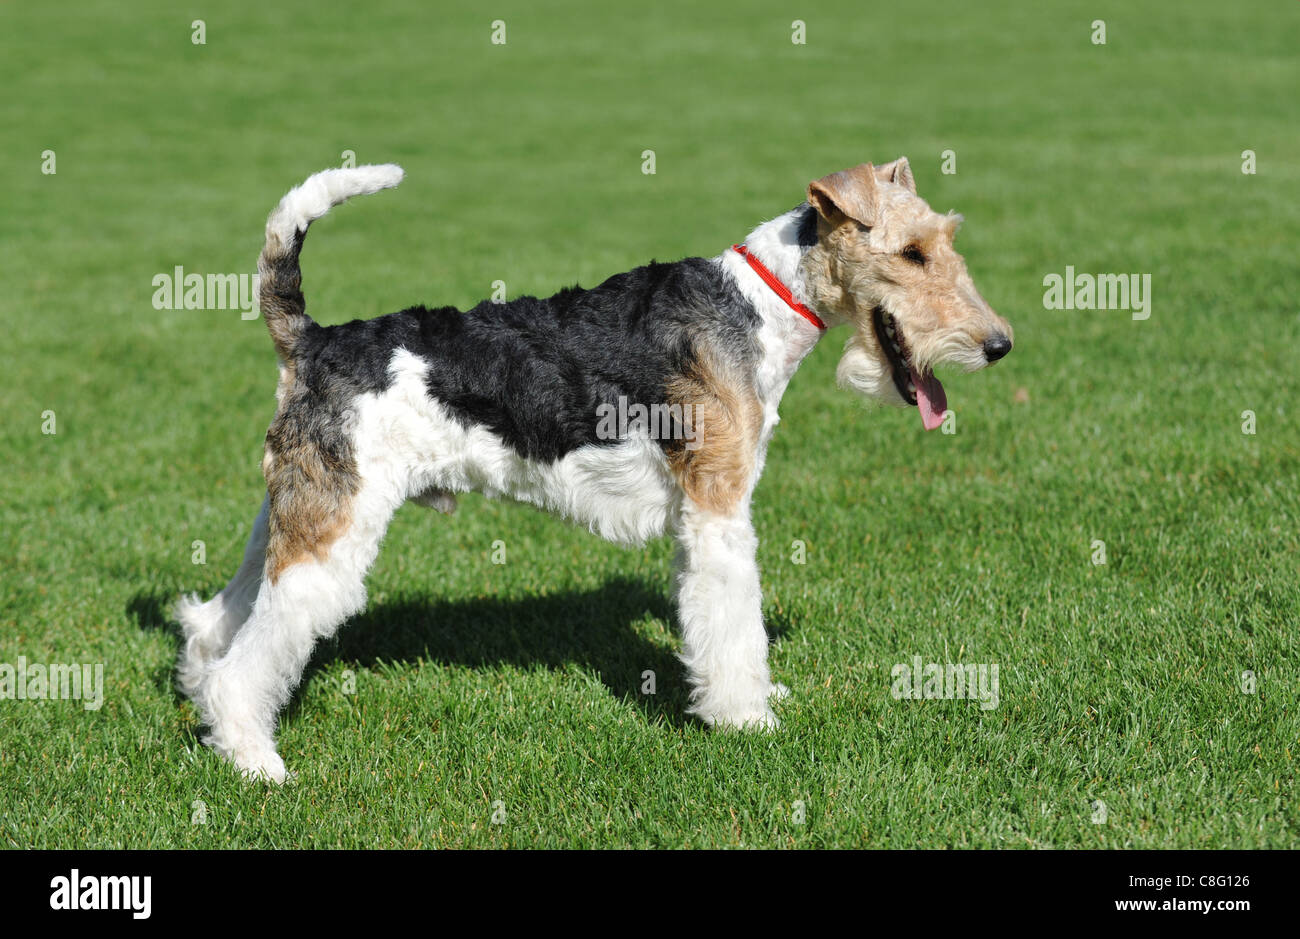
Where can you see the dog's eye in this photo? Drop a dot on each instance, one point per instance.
(914, 254)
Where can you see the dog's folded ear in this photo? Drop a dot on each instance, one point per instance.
(900, 172)
(853, 194)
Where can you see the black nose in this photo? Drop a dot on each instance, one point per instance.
(996, 346)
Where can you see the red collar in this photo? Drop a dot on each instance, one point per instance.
(778, 288)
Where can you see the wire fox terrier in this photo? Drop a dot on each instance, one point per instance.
(507, 399)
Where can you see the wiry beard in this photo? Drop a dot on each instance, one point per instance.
(947, 348)
(864, 369)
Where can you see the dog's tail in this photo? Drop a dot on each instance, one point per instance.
(280, 293)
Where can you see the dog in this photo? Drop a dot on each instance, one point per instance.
(516, 399)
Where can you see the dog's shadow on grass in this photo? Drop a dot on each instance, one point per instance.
(595, 629)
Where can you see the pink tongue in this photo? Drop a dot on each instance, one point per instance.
(930, 399)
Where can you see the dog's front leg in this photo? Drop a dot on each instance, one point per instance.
(719, 606)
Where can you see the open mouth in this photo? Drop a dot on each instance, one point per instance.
(922, 390)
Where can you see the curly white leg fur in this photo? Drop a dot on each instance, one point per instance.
(208, 628)
(724, 644)
(240, 694)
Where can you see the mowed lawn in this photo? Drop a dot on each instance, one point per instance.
(1146, 702)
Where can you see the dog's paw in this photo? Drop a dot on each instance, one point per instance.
(779, 691)
(746, 719)
(264, 765)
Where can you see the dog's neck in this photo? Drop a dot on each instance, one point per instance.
(785, 336)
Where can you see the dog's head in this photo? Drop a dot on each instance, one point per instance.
(884, 262)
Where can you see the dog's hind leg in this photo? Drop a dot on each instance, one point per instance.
(310, 588)
(323, 527)
(207, 628)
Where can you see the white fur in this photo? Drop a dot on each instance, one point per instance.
(319, 193)
(241, 693)
(862, 370)
(209, 627)
(719, 603)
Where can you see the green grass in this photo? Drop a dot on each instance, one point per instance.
(519, 683)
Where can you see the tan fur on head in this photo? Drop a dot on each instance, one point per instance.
(900, 172)
(881, 245)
